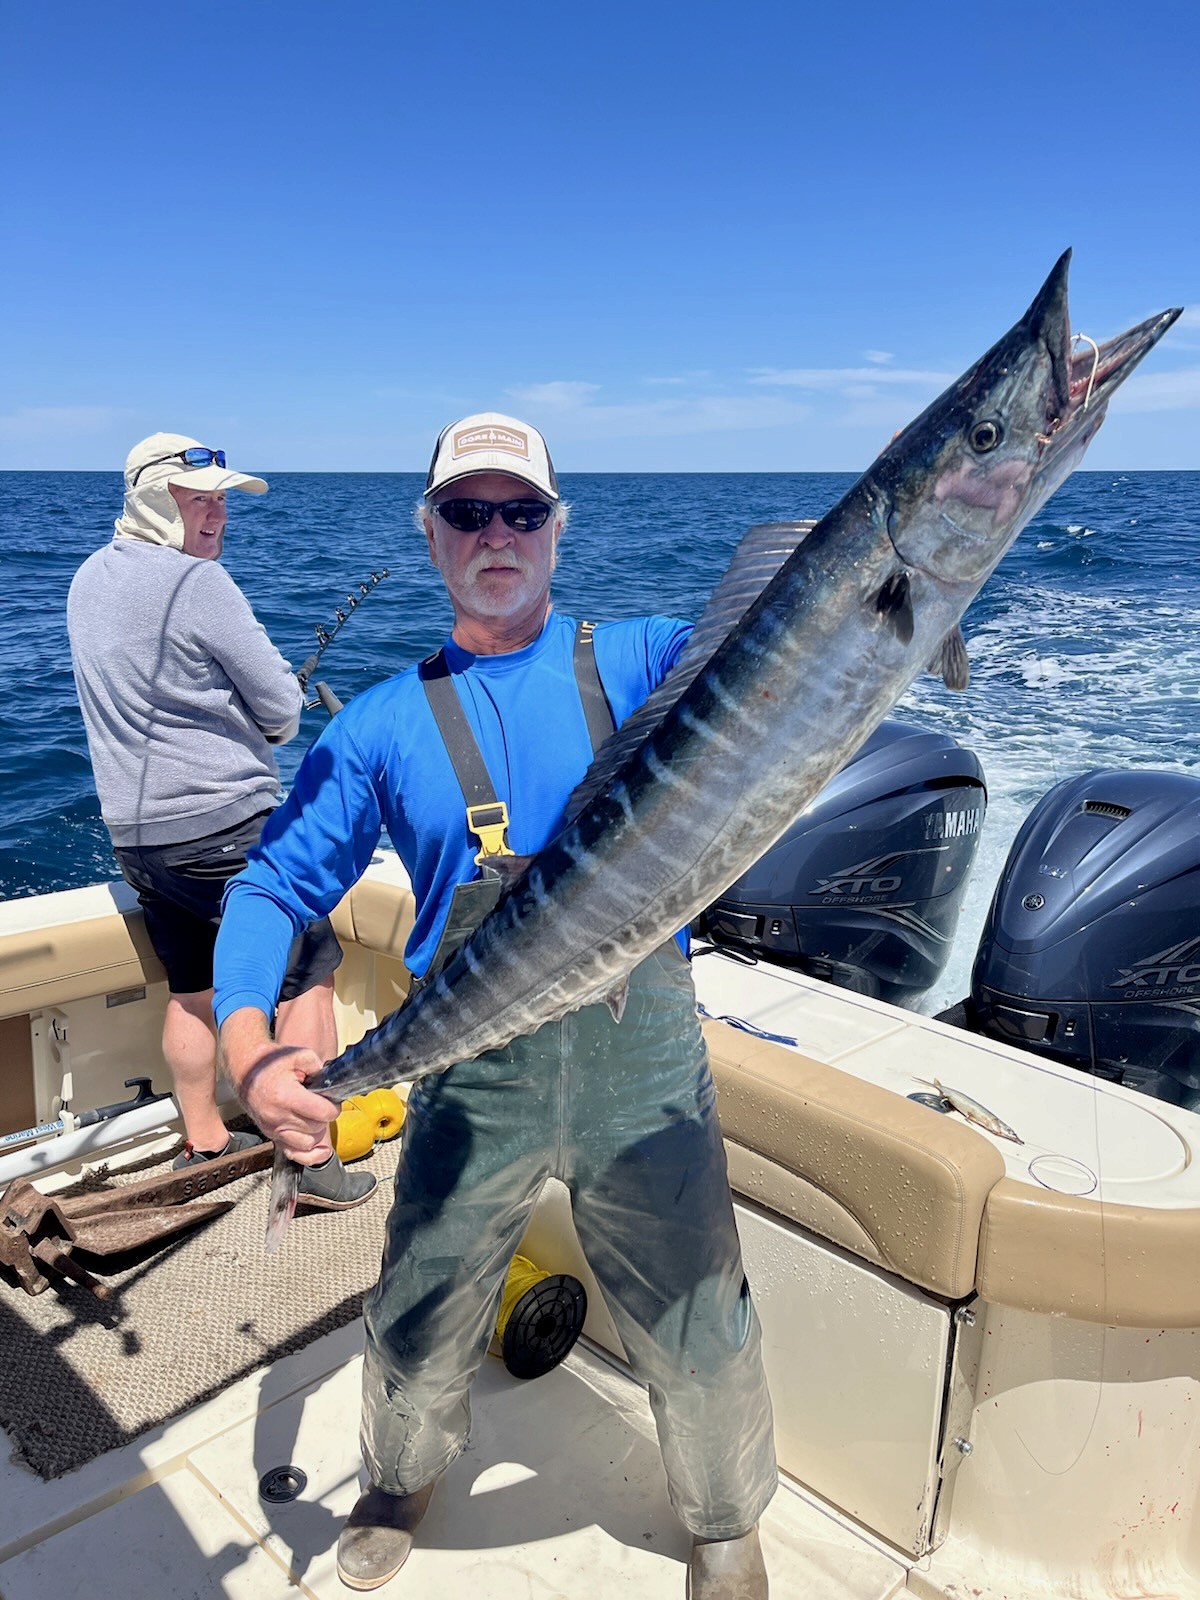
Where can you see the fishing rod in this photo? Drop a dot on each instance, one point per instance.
(326, 633)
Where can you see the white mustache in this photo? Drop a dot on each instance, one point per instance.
(497, 558)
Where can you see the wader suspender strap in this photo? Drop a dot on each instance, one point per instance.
(600, 720)
(487, 817)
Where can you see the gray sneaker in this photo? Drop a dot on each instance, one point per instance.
(331, 1188)
(194, 1158)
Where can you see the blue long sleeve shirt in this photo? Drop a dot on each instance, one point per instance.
(381, 765)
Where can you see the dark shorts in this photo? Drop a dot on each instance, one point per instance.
(180, 888)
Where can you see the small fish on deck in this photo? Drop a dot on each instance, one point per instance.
(973, 1111)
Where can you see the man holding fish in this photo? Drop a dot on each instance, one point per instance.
(804, 647)
(468, 762)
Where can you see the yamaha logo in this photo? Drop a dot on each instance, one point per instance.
(953, 824)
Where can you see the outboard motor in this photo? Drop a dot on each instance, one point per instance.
(1091, 950)
(865, 888)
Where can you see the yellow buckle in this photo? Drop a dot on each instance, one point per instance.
(489, 824)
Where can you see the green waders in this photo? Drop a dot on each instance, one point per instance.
(625, 1115)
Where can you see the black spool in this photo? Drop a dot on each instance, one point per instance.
(544, 1325)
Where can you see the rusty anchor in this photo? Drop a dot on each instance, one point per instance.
(39, 1234)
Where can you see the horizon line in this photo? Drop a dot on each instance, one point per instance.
(567, 472)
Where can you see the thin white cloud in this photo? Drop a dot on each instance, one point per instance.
(1160, 391)
(58, 423)
(853, 382)
(882, 413)
(563, 395)
(577, 416)
(880, 357)
(681, 381)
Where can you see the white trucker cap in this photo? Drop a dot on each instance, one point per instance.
(491, 442)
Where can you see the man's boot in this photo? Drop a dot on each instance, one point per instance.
(191, 1157)
(331, 1188)
(727, 1569)
(377, 1536)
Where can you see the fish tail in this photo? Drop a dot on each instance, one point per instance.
(281, 1206)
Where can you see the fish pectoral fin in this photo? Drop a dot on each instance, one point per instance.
(951, 663)
(507, 868)
(615, 999)
(894, 605)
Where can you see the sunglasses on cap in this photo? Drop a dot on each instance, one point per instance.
(196, 455)
(472, 516)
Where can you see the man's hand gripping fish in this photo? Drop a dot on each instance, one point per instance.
(804, 647)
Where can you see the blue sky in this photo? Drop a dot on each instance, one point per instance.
(754, 237)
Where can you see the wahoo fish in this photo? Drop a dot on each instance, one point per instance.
(806, 644)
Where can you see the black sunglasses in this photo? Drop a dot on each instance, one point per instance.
(472, 516)
(196, 455)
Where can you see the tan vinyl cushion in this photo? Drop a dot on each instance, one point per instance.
(378, 916)
(1123, 1266)
(342, 919)
(886, 1178)
(67, 961)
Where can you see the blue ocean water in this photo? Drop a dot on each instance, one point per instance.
(1085, 644)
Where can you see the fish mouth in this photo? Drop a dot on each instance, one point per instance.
(1096, 372)
(1038, 391)
(1085, 375)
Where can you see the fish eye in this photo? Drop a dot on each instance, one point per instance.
(985, 436)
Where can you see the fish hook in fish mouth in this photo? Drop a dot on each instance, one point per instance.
(1097, 372)
(1083, 338)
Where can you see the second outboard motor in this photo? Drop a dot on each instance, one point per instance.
(865, 888)
(1091, 950)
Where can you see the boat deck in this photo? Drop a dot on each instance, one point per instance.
(560, 1493)
(986, 1351)
(1079, 1135)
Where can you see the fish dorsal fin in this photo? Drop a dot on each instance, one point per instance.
(759, 556)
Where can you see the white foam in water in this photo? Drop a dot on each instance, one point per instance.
(1061, 683)
(1042, 671)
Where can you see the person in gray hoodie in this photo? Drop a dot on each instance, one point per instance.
(183, 695)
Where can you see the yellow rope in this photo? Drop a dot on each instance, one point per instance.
(522, 1276)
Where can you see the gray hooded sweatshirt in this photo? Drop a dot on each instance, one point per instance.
(181, 690)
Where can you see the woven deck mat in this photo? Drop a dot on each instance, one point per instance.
(79, 1376)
